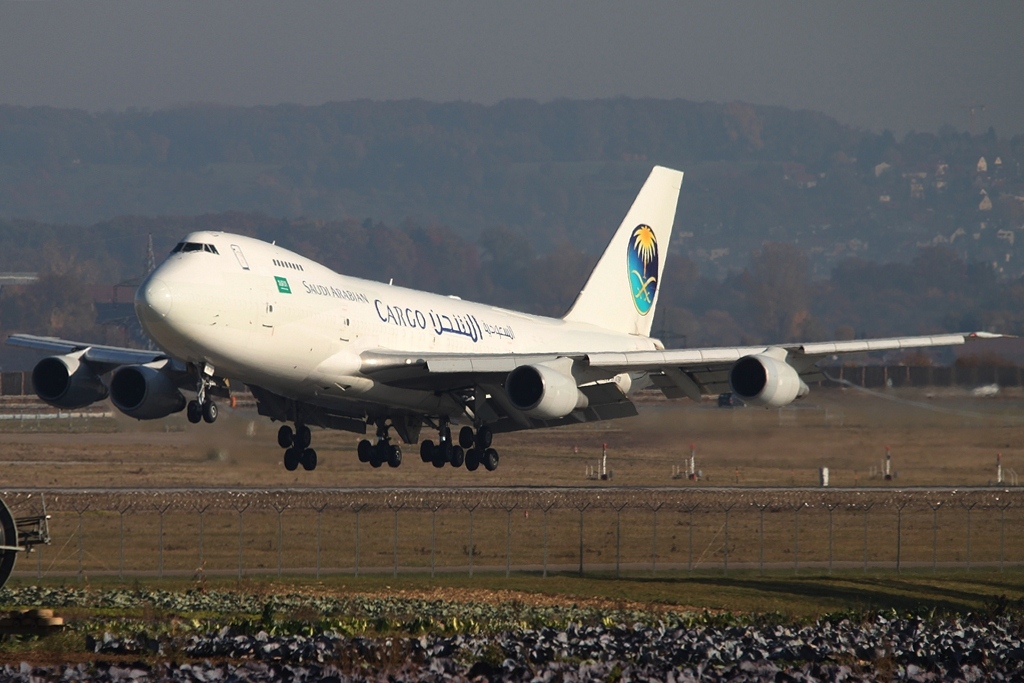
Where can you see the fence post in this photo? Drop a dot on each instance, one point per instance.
(280, 533)
(433, 535)
(240, 511)
(160, 550)
(969, 508)
(319, 515)
(618, 537)
(471, 509)
(1002, 533)
(935, 535)
(831, 508)
(899, 534)
(582, 507)
(80, 511)
(357, 509)
(394, 548)
(867, 508)
(761, 507)
(725, 555)
(546, 509)
(508, 538)
(796, 536)
(654, 535)
(120, 554)
(202, 511)
(689, 543)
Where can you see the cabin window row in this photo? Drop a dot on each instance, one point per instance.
(288, 264)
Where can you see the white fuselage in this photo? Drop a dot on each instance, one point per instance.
(263, 315)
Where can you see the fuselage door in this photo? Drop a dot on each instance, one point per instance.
(240, 256)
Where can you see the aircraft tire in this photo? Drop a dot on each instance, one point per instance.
(285, 436)
(483, 438)
(394, 456)
(364, 450)
(490, 459)
(457, 457)
(9, 537)
(303, 437)
(291, 459)
(378, 456)
(210, 412)
(309, 460)
(194, 412)
(466, 439)
(440, 458)
(427, 451)
(472, 459)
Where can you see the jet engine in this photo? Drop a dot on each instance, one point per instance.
(145, 392)
(543, 392)
(764, 380)
(67, 382)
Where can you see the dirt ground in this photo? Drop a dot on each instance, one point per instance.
(942, 438)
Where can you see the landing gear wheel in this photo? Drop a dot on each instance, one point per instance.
(394, 456)
(490, 459)
(440, 456)
(8, 537)
(364, 450)
(303, 436)
(472, 459)
(457, 457)
(210, 412)
(483, 438)
(309, 460)
(194, 412)
(427, 451)
(291, 459)
(285, 437)
(377, 456)
(466, 437)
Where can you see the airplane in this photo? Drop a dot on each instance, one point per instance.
(320, 349)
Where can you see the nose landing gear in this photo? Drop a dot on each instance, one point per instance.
(297, 444)
(203, 408)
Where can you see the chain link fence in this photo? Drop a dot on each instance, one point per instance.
(622, 531)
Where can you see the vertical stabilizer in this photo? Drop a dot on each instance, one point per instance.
(623, 289)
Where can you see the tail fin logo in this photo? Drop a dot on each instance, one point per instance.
(642, 265)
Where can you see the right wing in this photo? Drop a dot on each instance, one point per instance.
(103, 358)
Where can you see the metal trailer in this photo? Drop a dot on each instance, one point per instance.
(19, 535)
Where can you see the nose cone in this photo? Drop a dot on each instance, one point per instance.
(153, 299)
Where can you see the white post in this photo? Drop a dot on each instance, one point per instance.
(999, 468)
(604, 461)
(888, 463)
(693, 461)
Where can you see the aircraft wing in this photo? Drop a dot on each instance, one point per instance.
(104, 358)
(678, 372)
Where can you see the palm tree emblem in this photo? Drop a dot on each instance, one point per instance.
(643, 253)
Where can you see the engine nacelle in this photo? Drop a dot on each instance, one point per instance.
(764, 380)
(67, 382)
(543, 392)
(145, 393)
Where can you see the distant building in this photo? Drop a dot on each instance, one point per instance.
(982, 165)
(881, 168)
(986, 203)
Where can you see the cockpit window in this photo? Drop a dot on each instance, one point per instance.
(194, 246)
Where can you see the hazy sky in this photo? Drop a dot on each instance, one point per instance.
(901, 65)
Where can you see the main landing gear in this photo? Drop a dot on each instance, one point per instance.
(381, 452)
(472, 450)
(297, 447)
